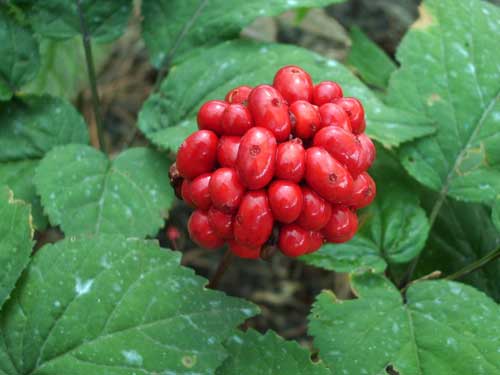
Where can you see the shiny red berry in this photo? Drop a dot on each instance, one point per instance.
(236, 120)
(342, 226)
(226, 190)
(201, 232)
(197, 154)
(327, 176)
(173, 233)
(363, 191)
(256, 158)
(316, 240)
(326, 92)
(305, 119)
(295, 241)
(238, 95)
(333, 115)
(293, 83)
(254, 221)
(186, 192)
(269, 110)
(368, 152)
(285, 199)
(356, 113)
(290, 160)
(221, 223)
(315, 212)
(210, 115)
(227, 150)
(248, 252)
(199, 192)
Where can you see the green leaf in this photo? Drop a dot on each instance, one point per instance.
(84, 192)
(177, 26)
(253, 353)
(110, 305)
(450, 73)
(16, 233)
(19, 53)
(105, 20)
(210, 73)
(63, 71)
(462, 234)
(443, 328)
(496, 214)
(369, 60)
(30, 127)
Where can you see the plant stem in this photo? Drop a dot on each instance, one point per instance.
(92, 77)
(474, 266)
(221, 269)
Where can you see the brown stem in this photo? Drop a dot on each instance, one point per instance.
(221, 269)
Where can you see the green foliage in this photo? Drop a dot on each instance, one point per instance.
(130, 195)
(177, 26)
(369, 61)
(113, 305)
(443, 328)
(15, 241)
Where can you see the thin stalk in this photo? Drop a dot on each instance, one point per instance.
(474, 266)
(221, 269)
(92, 77)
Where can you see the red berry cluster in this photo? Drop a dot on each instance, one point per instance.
(292, 157)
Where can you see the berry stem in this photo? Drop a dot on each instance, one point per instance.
(490, 257)
(92, 77)
(224, 264)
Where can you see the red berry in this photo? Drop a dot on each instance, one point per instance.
(316, 211)
(221, 223)
(186, 192)
(342, 145)
(285, 199)
(290, 160)
(293, 83)
(227, 150)
(356, 113)
(249, 252)
(316, 240)
(327, 176)
(256, 158)
(254, 221)
(333, 115)
(294, 240)
(173, 233)
(199, 192)
(368, 151)
(305, 119)
(197, 154)
(210, 115)
(201, 232)
(238, 95)
(342, 225)
(236, 120)
(363, 191)
(326, 92)
(226, 190)
(269, 110)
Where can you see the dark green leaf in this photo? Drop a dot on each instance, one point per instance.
(369, 60)
(111, 305)
(444, 328)
(450, 74)
(496, 214)
(29, 128)
(84, 192)
(210, 73)
(253, 353)
(19, 54)
(15, 241)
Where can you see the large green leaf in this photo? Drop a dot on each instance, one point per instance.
(462, 234)
(210, 73)
(253, 353)
(105, 19)
(20, 58)
(496, 214)
(443, 328)
(369, 60)
(15, 241)
(171, 26)
(450, 73)
(114, 306)
(84, 192)
(30, 127)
